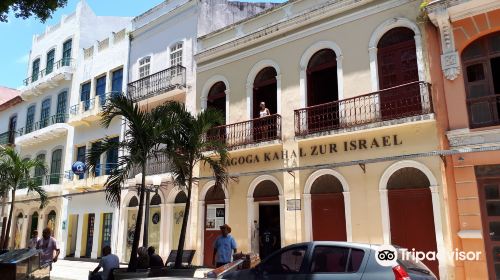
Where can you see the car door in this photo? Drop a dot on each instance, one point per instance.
(337, 262)
(286, 264)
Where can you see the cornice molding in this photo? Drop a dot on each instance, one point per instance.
(465, 137)
(281, 26)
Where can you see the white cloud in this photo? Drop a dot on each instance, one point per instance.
(23, 59)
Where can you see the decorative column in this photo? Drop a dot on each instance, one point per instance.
(347, 210)
(97, 236)
(79, 234)
(384, 209)
(450, 62)
(307, 217)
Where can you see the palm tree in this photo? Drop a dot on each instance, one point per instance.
(146, 130)
(14, 175)
(187, 149)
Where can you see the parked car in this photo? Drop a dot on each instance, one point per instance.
(332, 260)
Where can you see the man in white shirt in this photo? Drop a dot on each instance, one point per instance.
(108, 263)
(34, 240)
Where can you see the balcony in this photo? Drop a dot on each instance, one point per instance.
(48, 78)
(248, 132)
(89, 110)
(154, 166)
(7, 138)
(86, 181)
(370, 110)
(43, 130)
(168, 84)
(484, 111)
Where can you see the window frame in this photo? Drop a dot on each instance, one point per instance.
(66, 52)
(303, 266)
(50, 59)
(144, 69)
(35, 74)
(176, 54)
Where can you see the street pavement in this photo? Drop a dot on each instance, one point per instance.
(72, 270)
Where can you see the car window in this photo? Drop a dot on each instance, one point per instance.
(410, 262)
(333, 259)
(287, 261)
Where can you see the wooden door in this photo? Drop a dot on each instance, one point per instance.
(412, 221)
(214, 217)
(489, 195)
(397, 65)
(328, 217)
(90, 235)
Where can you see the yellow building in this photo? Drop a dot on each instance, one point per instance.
(349, 145)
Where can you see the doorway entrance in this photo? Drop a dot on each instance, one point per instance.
(215, 216)
(411, 213)
(72, 234)
(267, 218)
(90, 235)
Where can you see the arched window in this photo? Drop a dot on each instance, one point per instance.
(481, 64)
(215, 194)
(66, 57)
(265, 90)
(326, 184)
(266, 190)
(49, 66)
(397, 65)
(133, 202)
(322, 86)
(35, 70)
(176, 54)
(55, 167)
(62, 102)
(216, 98)
(181, 197)
(408, 178)
(45, 113)
(30, 118)
(155, 200)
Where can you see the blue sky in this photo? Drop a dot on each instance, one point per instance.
(14, 51)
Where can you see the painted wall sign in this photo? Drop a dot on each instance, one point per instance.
(317, 150)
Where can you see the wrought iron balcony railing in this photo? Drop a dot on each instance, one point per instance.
(51, 68)
(89, 105)
(100, 170)
(248, 132)
(157, 83)
(8, 138)
(484, 111)
(402, 101)
(154, 166)
(43, 180)
(59, 118)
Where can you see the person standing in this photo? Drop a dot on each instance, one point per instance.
(264, 112)
(224, 247)
(48, 245)
(34, 240)
(108, 262)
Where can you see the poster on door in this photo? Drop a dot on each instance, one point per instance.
(215, 217)
(131, 219)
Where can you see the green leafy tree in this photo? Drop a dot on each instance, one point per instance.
(15, 175)
(188, 149)
(42, 9)
(145, 131)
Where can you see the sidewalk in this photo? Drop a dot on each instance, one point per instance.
(72, 270)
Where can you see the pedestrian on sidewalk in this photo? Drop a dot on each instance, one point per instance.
(155, 261)
(108, 262)
(224, 247)
(48, 245)
(34, 240)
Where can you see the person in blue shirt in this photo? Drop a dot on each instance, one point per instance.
(224, 247)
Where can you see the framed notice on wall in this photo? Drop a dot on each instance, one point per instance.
(215, 217)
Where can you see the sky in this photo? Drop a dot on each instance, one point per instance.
(14, 51)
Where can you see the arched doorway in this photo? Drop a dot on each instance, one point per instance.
(265, 90)
(18, 231)
(216, 98)
(411, 212)
(328, 209)
(267, 224)
(397, 65)
(154, 222)
(481, 62)
(215, 216)
(178, 217)
(322, 87)
(132, 208)
(33, 225)
(51, 222)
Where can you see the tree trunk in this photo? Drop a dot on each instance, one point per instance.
(182, 237)
(9, 221)
(132, 265)
(4, 223)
